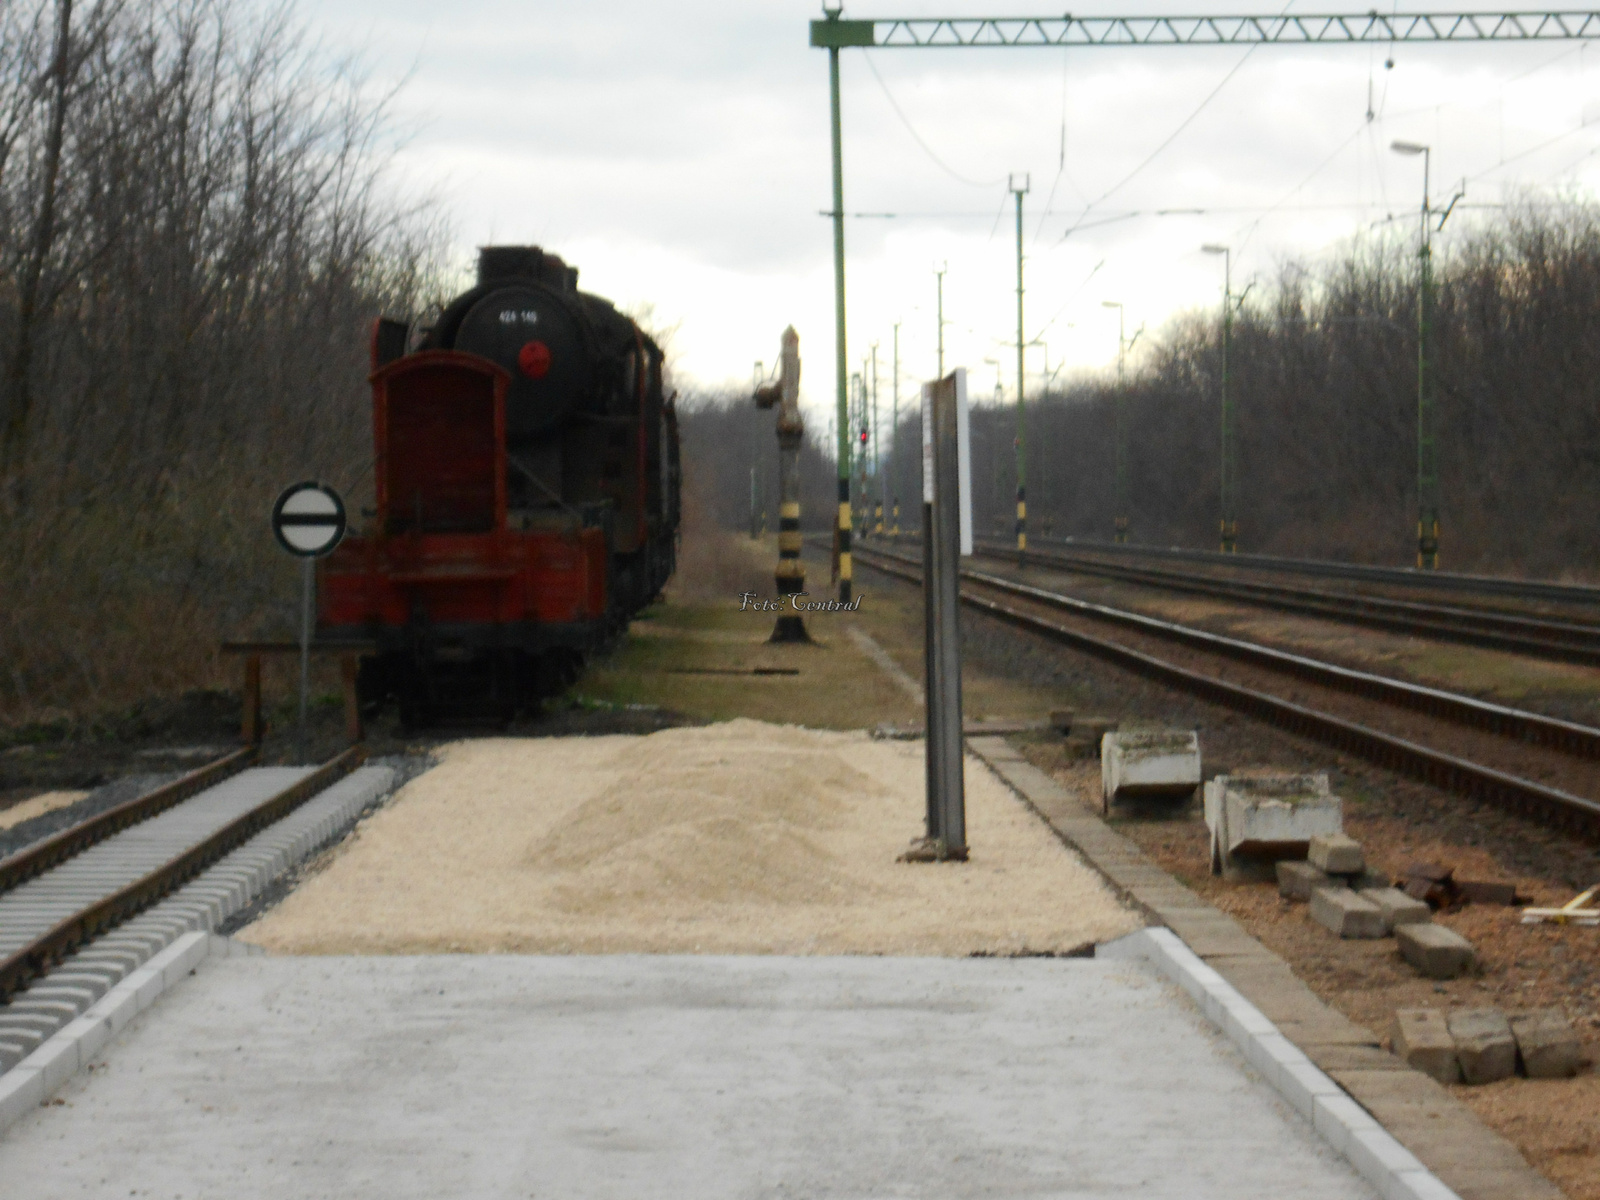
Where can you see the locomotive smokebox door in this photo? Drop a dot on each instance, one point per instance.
(537, 340)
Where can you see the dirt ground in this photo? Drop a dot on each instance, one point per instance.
(736, 838)
(1555, 1123)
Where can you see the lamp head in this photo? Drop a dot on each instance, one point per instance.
(1213, 248)
(1408, 147)
(1111, 304)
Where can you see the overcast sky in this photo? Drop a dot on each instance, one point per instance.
(676, 151)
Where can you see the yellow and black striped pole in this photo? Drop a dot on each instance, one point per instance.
(791, 573)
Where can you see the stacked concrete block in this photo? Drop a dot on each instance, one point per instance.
(1348, 914)
(1435, 951)
(1482, 1045)
(1397, 907)
(1336, 854)
(1297, 880)
(1257, 820)
(1485, 1047)
(1149, 764)
(1547, 1045)
(1421, 1036)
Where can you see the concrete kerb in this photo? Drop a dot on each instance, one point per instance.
(154, 952)
(1347, 1127)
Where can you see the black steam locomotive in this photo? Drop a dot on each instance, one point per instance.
(527, 485)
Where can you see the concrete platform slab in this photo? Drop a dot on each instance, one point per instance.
(700, 1077)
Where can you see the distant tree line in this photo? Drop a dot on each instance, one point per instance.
(193, 243)
(1323, 378)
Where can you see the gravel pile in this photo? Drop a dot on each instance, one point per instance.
(740, 837)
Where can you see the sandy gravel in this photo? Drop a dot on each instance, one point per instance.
(741, 837)
(37, 806)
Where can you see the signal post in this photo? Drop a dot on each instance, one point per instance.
(791, 573)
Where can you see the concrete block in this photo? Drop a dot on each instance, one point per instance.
(1546, 1043)
(1149, 763)
(57, 1059)
(1375, 1154)
(21, 1091)
(11, 1053)
(1484, 1045)
(117, 1008)
(1347, 913)
(1336, 853)
(1398, 908)
(1267, 817)
(91, 1033)
(1435, 950)
(1419, 1185)
(1421, 1037)
(1297, 880)
(1302, 1083)
(1337, 1117)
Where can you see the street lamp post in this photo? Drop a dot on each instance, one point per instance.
(1019, 190)
(1228, 482)
(1427, 446)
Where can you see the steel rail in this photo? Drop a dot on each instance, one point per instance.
(39, 955)
(1563, 641)
(1488, 585)
(1551, 805)
(56, 849)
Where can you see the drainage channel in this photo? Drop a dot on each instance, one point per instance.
(74, 931)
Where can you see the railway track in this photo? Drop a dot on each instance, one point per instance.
(1539, 637)
(113, 874)
(1520, 590)
(1537, 765)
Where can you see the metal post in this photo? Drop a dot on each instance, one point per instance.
(841, 540)
(308, 584)
(1427, 446)
(1120, 433)
(947, 824)
(894, 442)
(1022, 435)
(1230, 482)
(938, 274)
(877, 449)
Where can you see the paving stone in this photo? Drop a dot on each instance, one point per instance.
(1546, 1043)
(1421, 1037)
(1484, 1044)
(1435, 950)
(1346, 913)
(1398, 908)
(1297, 880)
(1336, 853)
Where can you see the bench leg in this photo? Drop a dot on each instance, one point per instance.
(252, 728)
(348, 670)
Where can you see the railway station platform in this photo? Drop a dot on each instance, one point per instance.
(672, 1076)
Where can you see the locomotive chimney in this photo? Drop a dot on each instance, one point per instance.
(525, 262)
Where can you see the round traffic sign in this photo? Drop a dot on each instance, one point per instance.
(308, 519)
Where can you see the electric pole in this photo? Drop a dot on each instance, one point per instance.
(1021, 443)
(894, 443)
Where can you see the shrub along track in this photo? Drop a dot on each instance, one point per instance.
(1536, 765)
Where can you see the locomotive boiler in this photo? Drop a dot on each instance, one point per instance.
(527, 485)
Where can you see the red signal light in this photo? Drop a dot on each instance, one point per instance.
(534, 359)
(863, 437)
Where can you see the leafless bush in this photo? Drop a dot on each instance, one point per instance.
(194, 238)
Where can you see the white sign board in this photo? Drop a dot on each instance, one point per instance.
(308, 519)
(963, 452)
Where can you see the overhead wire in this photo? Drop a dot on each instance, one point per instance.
(912, 130)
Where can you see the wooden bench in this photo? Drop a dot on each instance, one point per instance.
(252, 725)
